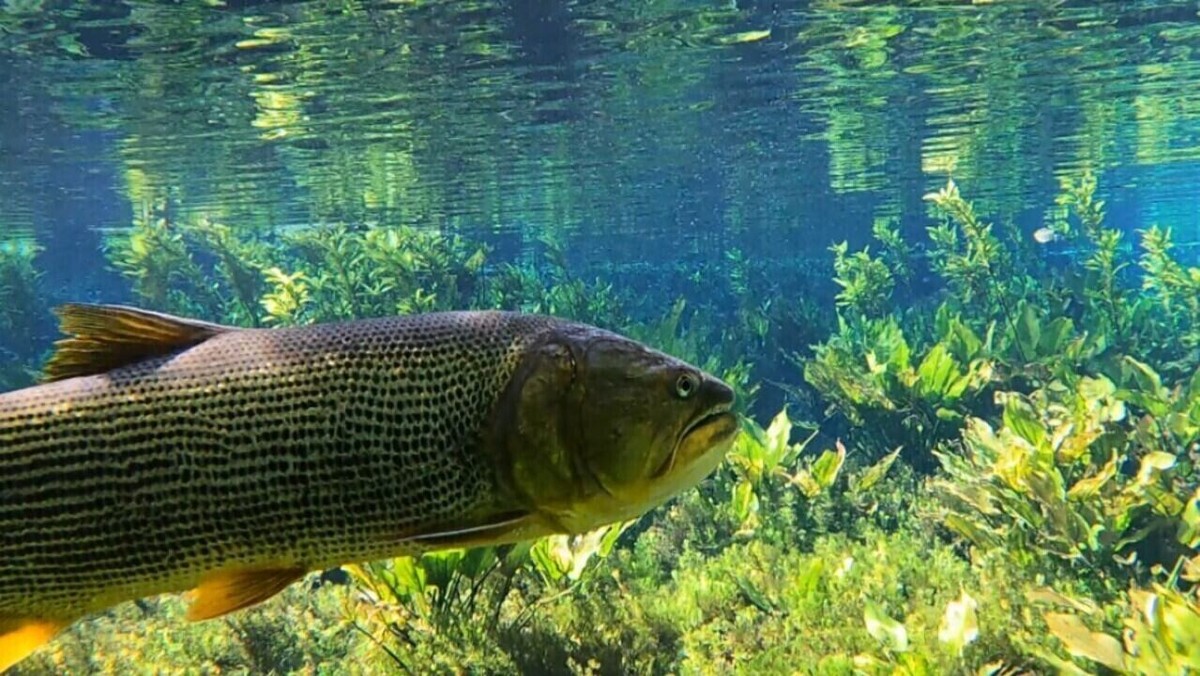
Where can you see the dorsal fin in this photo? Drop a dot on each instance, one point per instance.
(105, 337)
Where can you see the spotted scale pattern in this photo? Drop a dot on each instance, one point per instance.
(309, 446)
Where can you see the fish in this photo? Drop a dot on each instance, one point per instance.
(164, 454)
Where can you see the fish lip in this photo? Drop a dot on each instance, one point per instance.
(714, 413)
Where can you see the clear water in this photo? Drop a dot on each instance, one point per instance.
(632, 127)
(649, 138)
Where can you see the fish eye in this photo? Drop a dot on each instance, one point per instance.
(686, 385)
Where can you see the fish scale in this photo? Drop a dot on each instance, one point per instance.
(307, 445)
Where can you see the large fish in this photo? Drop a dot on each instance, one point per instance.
(167, 454)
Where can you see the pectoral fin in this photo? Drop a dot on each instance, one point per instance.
(500, 530)
(19, 637)
(225, 591)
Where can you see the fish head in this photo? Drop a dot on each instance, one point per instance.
(608, 428)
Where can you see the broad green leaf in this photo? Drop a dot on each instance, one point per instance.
(1189, 523)
(551, 557)
(1050, 596)
(1095, 389)
(1020, 417)
(807, 485)
(754, 595)
(1083, 642)
(744, 37)
(884, 629)
(1055, 336)
(936, 374)
(1089, 487)
(1152, 463)
(959, 626)
(1028, 332)
(611, 536)
(979, 535)
(826, 468)
(440, 567)
(876, 472)
(409, 577)
(744, 502)
(778, 434)
(809, 578)
(477, 561)
(964, 342)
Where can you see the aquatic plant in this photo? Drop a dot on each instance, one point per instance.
(22, 310)
(1048, 481)
(966, 253)
(552, 288)
(866, 282)
(165, 276)
(1156, 624)
(867, 372)
(384, 271)
(298, 632)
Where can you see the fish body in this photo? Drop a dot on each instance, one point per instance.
(167, 454)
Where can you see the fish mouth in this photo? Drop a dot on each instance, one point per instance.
(705, 432)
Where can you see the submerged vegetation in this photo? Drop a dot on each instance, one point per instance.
(1000, 477)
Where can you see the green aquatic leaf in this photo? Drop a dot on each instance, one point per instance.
(1022, 419)
(1055, 336)
(1189, 523)
(1083, 642)
(754, 595)
(441, 567)
(408, 576)
(477, 561)
(978, 534)
(876, 472)
(809, 579)
(826, 468)
(1153, 463)
(938, 375)
(744, 502)
(884, 629)
(744, 37)
(1028, 332)
(551, 558)
(1089, 487)
(960, 625)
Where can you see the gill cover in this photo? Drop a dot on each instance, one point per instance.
(534, 427)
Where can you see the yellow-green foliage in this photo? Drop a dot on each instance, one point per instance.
(1150, 630)
(19, 298)
(20, 308)
(457, 609)
(1049, 479)
(868, 373)
(970, 264)
(297, 632)
(315, 275)
(866, 282)
(760, 607)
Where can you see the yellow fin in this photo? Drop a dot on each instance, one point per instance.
(105, 337)
(228, 590)
(20, 637)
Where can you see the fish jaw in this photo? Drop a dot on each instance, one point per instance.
(699, 452)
